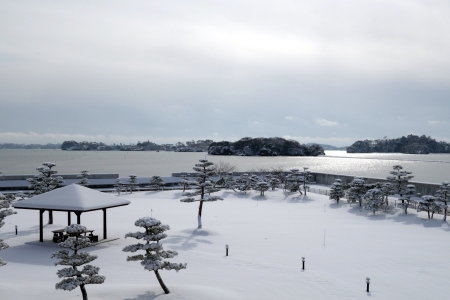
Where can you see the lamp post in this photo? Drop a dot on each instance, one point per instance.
(303, 263)
(226, 247)
(368, 283)
(16, 229)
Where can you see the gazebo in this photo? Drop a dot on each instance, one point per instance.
(72, 198)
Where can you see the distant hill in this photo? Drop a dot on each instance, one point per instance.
(328, 147)
(264, 147)
(29, 146)
(411, 144)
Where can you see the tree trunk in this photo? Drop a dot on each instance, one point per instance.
(161, 282)
(445, 215)
(200, 214)
(428, 215)
(337, 200)
(83, 292)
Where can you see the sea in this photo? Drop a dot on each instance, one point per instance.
(430, 168)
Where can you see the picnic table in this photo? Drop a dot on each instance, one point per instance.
(59, 236)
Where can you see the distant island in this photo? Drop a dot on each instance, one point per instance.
(29, 146)
(411, 144)
(265, 147)
(189, 146)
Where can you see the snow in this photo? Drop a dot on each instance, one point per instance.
(404, 255)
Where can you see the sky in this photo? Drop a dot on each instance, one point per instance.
(325, 71)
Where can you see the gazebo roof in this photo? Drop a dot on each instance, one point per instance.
(74, 198)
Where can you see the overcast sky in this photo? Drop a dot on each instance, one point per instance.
(326, 71)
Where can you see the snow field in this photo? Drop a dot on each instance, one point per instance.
(405, 256)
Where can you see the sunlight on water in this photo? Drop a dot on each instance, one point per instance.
(426, 168)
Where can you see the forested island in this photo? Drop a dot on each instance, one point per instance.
(411, 144)
(189, 146)
(265, 147)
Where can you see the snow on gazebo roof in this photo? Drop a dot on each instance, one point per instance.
(73, 197)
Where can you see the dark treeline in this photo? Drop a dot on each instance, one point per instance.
(411, 144)
(189, 146)
(29, 146)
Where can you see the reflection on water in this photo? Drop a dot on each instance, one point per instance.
(426, 168)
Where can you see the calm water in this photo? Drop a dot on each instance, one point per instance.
(433, 168)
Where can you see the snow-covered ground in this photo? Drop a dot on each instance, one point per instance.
(406, 256)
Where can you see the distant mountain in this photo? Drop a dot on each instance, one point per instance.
(29, 146)
(328, 147)
(411, 144)
(264, 147)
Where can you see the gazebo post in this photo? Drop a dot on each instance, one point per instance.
(41, 225)
(68, 218)
(104, 223)
(78, 213)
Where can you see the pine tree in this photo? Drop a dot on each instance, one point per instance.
(306, 178)
(84, 178)
(205, 188)
(132, 184)
(428, 203)
(156, 182)
(184, 182)
(408, 193)
(243, 183)
(356, 191)
(337, 191)
(45, 182)
(374, 200)
(443, 197)
(73, 277)
(294, 181)
(118, 186)
(4, 212)
(399, 180)
(153, 259)
(261, 186)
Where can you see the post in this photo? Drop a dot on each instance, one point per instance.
(303, 263)
(226, 247)
(16, 229)
(368, 283)
(104, 223)
(41, 225)
(68, 218)
(78, 213)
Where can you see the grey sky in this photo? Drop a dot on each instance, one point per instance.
(327, 71)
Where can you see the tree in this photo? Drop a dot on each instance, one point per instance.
(153, 258)
(73, 277)
(118, 185)
(356, 191)
(243, 183)
(443, 196)
(132, 184)
(294, 181)
(185, 182)
(408, 193)
(399, 180)
(336, 191)
(205, 188)
(156, 182)
(374, 200)
(45, 182)
(5, 211)
(306, 177)
(428, 203)
(261, 186)
(273, 181)
(222, 168)
(84, 178)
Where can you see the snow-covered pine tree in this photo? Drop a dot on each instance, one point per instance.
(374, 200)
(443, 197)
(204, 187)
(132, 184)
(356, 191)
(4, 212)
(153, 258)
(156, 183)
(118, 186)
(84, 178)
(273, 181)
(243, 183)
(44, 182)
(399, 180)
(306, 178)
(230, 183)
(408, 193)
(428, 203)
(261, 187)
(337, 191)
(184, 182)
(73, 276)
(294, 181)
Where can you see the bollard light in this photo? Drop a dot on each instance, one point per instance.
(303, 263)
(16, 229)
(368, 283)
(226, 247)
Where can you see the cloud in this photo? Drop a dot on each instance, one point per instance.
(291, 118)
(437, 122)
(324, 122)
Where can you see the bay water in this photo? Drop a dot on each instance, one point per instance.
(431, 168)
